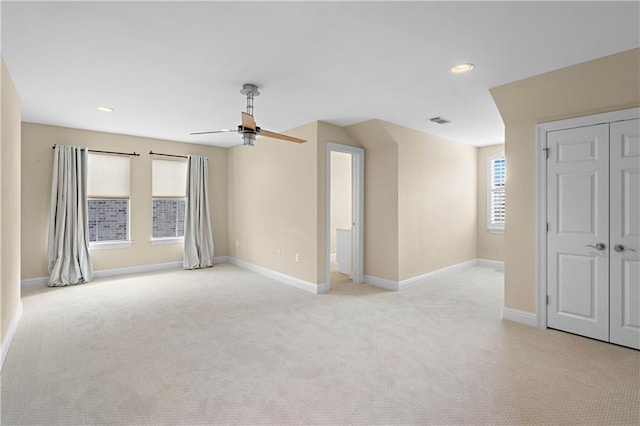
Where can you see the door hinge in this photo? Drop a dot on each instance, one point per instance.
(547, 299)
(547, 226)
(546, 152)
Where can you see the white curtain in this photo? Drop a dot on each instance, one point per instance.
(68, 246)
(198, 240)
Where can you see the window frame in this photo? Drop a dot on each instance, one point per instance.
(107, 244)
(166, 240)
(494, 228)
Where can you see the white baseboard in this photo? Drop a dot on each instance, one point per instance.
(108, 273)
(34, 282)
(410, 282)
(11, 331)
(522, 317)
(382, 283)
(220, 259)
(323, 288)
(491, 263)
(287, 279)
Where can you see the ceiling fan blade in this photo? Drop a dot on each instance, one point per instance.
(248, 122)
(214, 131)
(274, 135)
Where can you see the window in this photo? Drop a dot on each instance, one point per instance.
(497, 179)
(169, 183)
(108, 198)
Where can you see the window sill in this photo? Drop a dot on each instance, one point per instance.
(496, 230)
(110, 245)
(169, 240)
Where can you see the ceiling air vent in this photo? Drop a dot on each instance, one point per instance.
(440, 120)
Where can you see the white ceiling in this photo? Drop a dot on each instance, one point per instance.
(173, 68)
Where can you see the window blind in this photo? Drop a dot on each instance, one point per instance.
(169, 178)
(497, 199)
(497, 207)
(108, 176)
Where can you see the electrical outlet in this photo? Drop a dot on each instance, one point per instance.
(297, 257)
(278, 253)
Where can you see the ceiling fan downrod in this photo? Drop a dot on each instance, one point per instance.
(249, 136)
(250, 90)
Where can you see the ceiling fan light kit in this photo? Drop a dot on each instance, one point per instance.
(248, 129)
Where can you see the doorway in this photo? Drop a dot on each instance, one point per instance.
(590, 244)
(344, 215)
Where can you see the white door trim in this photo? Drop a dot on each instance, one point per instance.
(541, 193)
(357, 193)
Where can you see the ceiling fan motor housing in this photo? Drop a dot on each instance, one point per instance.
(249, 89)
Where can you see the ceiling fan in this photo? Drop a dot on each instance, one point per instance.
(248, 128)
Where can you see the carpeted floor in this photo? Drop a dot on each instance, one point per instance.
(338, 279)
(227, 346)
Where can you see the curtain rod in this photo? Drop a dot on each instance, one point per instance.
(167, 155)
(110, 152)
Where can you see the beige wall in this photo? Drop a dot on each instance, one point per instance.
(380, 198)
(340, 195)
(273, 204)
(9, 202)
(606, 84)
(490, 244)
(437, 190)
(37, 163)
(406, 173)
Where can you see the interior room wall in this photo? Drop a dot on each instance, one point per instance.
(340, 195)
(490, 244)
(9, 204)
(273, 204)
(602, 85)
(380, 198)
(37, 164)
(437, 190)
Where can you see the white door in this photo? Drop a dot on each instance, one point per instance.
(625, 233)
(578, 235)
(344, 251)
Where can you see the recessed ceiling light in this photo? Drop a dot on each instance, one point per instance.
(224, 130)
(462, 68)
(105, 109)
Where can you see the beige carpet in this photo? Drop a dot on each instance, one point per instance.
(340, 282)
(226, 346)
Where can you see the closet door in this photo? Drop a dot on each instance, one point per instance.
(578, 236)
(625, 233)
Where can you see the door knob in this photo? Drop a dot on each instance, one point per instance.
(620, 248)
(598, 246)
